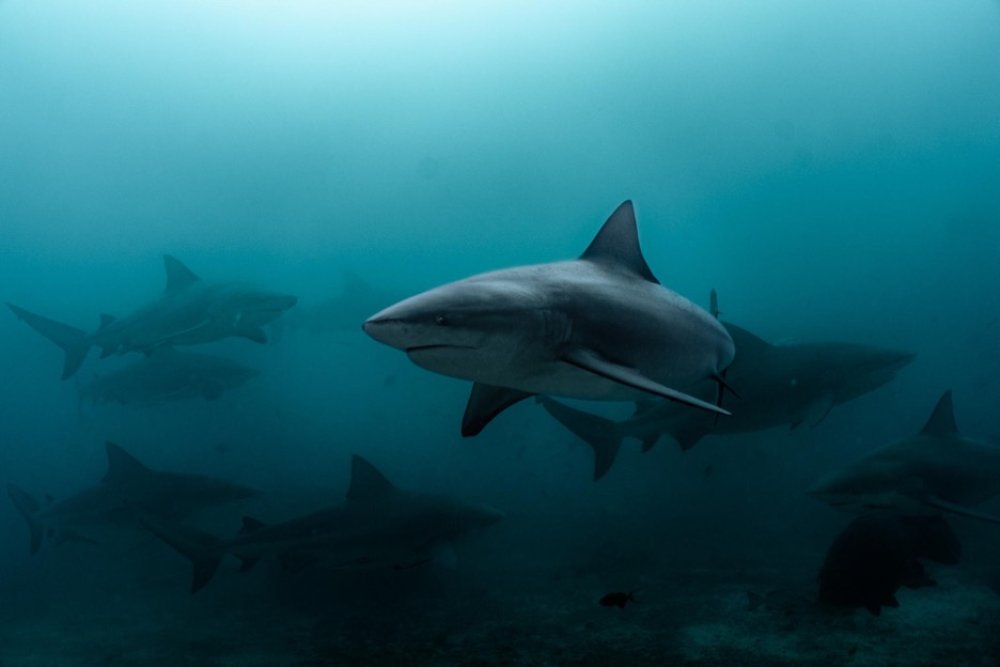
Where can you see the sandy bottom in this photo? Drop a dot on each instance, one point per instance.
(61, 609)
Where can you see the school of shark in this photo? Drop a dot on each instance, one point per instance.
(600, 327)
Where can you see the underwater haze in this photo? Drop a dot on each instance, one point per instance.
(209, 200)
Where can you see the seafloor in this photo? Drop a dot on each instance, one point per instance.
(73, 605)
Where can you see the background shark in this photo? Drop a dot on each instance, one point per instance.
(935, 471)
(129, 487)
(600, 327)
(188, 312)
(791, 384)
(169, 375)
(380, 525)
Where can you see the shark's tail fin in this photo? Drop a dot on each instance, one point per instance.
(199, 547)
(603, 435)
(74, 342)
(28, 507)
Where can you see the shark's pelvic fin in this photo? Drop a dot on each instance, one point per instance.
(367, 483)
(256, 334)
(74, 342)
(617, 244)
(178, 275)
(601, 434)
(122, 466)
(814, 413)
(594, 363)
(485, 403)
(942, 420)
(28, 507)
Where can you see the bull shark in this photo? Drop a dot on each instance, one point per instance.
(189, 312)
(935, 471)
(129, 487)
(169, 375)
(380, 526)
(792, 384)
(599, 327)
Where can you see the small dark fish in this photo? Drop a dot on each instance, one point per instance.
(617, 599)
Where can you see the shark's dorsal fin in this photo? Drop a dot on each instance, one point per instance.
(617, 244)
(122, 466)
(106, 320)
(942, 420)
(743, 339)
(251, 525)
(178, 275)
(367, 483)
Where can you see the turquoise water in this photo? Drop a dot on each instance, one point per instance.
(831, 169)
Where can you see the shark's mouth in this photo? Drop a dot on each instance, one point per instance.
(424, 348)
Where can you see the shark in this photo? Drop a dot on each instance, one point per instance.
(599, 327)
(793, 384)
(190, 311)
(937, 471)
(379, 526)
(169, 375)
(127, 489)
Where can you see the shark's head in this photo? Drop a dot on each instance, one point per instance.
(866, 486)
(190, 493)
(254, 307)
(468, 324)
(862, 369)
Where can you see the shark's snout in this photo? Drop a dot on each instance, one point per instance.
(387, 329)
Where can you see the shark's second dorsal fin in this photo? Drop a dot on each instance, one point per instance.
(122, 466)
(178, 275)
(942, 420)
(367, 483)
(617, 244)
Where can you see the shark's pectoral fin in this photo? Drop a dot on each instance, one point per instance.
(649, 442)
(594, 363)
(68, 535)
(814, 413)
(603, 435)
(247, 563)
(960, 510)
(256, 334)
(485, 403)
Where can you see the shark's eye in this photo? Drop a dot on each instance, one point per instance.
(441, 320)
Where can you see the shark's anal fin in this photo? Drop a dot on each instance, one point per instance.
(485, 403)
(960, 510)
(596, 364)
(178, 275)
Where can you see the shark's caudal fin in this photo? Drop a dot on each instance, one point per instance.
(367, 482)
(485, 403)
(617, 244)
(74, 342)
(122, 466)
(28, 507)
(200, 548)
(601, 434)
(178, 275)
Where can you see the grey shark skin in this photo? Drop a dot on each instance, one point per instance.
(128, 488)
(169, 375)
(380, 526)
(936, 471)
(599, 327)
(777, 384)
(189, 312)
